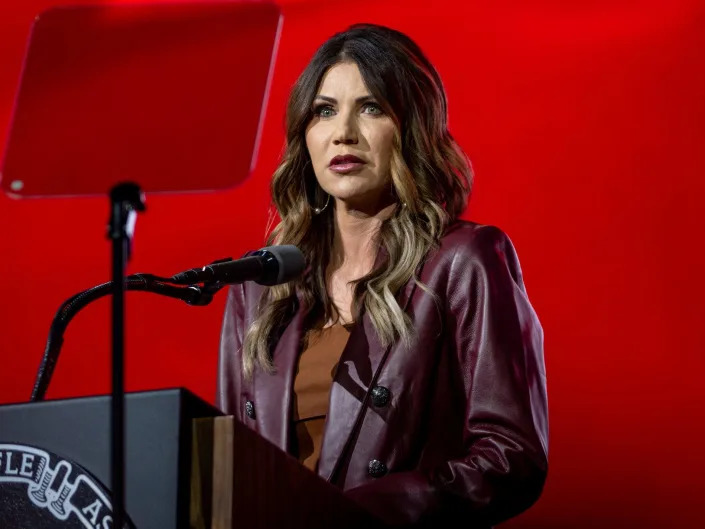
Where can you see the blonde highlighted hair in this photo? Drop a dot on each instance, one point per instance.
(430, 175)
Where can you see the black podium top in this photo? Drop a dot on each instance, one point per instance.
(64, 445)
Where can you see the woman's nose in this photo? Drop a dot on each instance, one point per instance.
(346, 132)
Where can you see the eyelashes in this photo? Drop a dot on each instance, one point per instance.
(323, 110)
(326, 110)
(374, 107)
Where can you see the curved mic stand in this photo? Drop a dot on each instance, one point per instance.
(192, 294)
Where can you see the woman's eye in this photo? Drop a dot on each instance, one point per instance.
(372, 108)
(324, 111)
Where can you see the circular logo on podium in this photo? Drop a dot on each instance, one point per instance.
(40, 490)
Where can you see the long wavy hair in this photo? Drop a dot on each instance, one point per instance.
(430, 175)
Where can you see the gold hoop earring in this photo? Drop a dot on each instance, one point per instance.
(318, 211)
(315, 209)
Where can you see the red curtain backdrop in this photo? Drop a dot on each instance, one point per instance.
(585, 122)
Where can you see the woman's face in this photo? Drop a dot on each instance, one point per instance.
(350, 140)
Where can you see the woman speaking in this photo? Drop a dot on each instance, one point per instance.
(406, 365)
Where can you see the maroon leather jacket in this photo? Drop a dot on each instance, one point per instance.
(453, 428)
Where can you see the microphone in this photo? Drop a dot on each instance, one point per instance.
(269, 266)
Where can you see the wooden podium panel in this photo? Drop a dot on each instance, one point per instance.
(253, 484)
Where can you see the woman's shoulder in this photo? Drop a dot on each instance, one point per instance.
(246, 296)
(469, 249)
(466, 237)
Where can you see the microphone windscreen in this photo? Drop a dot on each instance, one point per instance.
(291, 263)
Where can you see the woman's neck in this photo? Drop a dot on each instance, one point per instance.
(355, 239)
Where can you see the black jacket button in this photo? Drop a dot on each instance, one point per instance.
(250, 409)
(376, 469)
(380, 396)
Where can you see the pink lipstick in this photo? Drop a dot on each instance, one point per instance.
(345, 164)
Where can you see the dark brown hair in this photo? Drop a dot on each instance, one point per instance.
(430, 174)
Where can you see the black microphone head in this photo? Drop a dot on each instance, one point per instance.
(282, 264)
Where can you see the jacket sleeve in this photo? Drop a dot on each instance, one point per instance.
(497, 343)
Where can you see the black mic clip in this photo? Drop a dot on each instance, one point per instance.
(192, 293)
(202, 295)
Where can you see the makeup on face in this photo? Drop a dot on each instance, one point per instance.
(350, 139)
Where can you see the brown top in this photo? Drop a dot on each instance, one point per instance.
(314, 377)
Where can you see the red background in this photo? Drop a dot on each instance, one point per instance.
(585, 122)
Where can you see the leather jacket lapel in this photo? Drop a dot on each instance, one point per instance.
(355, 376)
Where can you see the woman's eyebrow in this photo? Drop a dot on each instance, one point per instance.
(360, 99)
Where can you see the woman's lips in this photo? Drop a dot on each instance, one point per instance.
(346, 167)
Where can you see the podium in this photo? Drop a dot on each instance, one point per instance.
(186, 466)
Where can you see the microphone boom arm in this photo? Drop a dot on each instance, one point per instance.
(191, 294)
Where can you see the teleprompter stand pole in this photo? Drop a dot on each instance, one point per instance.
(125, 201)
